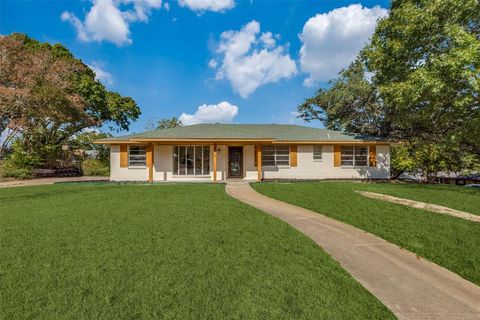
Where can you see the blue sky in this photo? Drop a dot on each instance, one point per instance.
(205, 60)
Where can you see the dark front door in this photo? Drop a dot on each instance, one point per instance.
(235, 162)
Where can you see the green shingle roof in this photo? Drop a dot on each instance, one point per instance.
(279, 132)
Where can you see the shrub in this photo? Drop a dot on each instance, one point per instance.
(10, 170)
(93, 167)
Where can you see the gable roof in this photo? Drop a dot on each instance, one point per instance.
(260, 132)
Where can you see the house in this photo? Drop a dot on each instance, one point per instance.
(216, 152)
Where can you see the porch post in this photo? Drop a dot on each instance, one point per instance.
(259, 162)
(214, 162)
(150, 153)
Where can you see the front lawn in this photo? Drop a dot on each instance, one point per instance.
(448, 241)
(455, 197)
(185, 251)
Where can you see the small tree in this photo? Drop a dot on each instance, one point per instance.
(164, 123)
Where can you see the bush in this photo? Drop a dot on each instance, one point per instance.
(9, 169)
(93, 167)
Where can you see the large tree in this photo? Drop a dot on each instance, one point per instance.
(351, 103)
(47, 95)
(418, 81)
(425, 58)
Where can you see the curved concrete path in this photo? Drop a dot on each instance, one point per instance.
(411, 287)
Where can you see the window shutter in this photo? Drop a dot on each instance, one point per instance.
(372, 155)
(149, 155)
(123, 156)
(293, 155)
(336, 155)
(255, 156)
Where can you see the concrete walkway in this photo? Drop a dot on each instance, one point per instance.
(421, 205)
(411, 287)
(44, 181)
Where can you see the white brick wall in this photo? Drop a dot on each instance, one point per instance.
(307, 168)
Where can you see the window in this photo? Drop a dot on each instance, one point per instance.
(354, 156)
(317, 152)
(275, 155)
(137, 156)
(191, 160)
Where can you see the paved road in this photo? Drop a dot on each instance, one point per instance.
(43, 181)
(411, 287)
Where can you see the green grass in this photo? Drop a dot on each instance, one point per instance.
(185, 251)
(448, 241)
(455, 197)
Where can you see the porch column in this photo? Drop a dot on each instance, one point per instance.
(214, 162)
(259, 162)
(150, 152)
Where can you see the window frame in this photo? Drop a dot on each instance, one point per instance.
(276, 155)
(354, 156)
(191, 159)
(321, 152)
(141, 165)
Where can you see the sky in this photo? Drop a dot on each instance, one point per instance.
(205, 61)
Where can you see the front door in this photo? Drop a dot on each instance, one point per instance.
(235, 162)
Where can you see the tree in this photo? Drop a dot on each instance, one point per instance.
(350, 104)
(423, 85)
(83, 146)
(47, 95)
(164, 123)
(426, 65)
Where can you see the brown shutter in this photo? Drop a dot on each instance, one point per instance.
(149, 158)
(148, 150)
(255, 156)
(337, 155)
(293, 155)
(372, 155)
(123, 156)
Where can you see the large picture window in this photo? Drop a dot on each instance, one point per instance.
(275, 155)
(137, 156)
(354, 156)
(191, 160)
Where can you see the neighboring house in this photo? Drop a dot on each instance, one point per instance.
(252, 152)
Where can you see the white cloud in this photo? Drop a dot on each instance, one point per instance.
(100, 73)
(105, 21)
(207, 5)
(250, 60)
(212, 63)
(330, 41)
(224, 112)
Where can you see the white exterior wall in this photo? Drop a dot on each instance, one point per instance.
(306, 168)
(124, 174)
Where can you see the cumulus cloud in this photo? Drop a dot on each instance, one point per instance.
(109, 20)
(330, 41)
(250, 59)
(207, 5)
(212, 63)
(100, 73)
(223, 112)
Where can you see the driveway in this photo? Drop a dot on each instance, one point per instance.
(412, 287)
(43, 181)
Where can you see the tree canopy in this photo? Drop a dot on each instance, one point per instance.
(164, 123)
(417, 80)
(47, 95)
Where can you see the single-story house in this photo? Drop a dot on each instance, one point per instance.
(215, 152)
